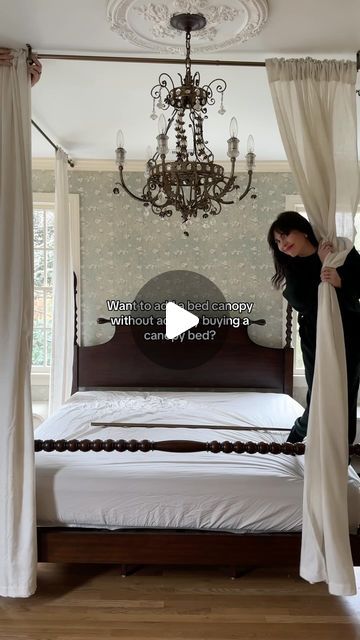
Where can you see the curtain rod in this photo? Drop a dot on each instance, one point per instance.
(229, 63)
(56, 147)
(233, 63)
(225, 63)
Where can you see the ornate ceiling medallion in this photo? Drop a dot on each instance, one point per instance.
(147, 25)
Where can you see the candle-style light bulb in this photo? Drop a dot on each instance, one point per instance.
(233, 129)
(120, 151)
(119, 140)
(250, 145)
(162, 124)
(250, 156)
(233, 142)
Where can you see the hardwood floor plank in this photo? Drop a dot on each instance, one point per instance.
(94, 602)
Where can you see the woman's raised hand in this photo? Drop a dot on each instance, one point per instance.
(6, 57)
(325, 247)
(330, 275)
(35, 69)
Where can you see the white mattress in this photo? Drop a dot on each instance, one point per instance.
(166, 490)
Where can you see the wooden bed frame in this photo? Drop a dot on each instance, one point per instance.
(239, 364)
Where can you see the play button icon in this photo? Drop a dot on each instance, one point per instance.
(165, 311)
(178, 320)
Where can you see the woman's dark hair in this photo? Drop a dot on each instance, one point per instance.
(285, 223)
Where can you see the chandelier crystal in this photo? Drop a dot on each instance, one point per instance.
(192, 183)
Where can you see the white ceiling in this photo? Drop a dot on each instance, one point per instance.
(82, 104)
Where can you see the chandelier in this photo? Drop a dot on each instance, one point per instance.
(192, 183)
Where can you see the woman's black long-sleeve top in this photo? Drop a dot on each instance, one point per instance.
(303, 279)
(301, 291)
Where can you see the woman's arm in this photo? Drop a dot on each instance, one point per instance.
(330, 275)
(349, 273)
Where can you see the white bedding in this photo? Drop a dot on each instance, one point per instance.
(159, 490)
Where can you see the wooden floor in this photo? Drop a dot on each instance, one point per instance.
(95, 602)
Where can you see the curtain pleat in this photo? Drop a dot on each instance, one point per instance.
(63, 307)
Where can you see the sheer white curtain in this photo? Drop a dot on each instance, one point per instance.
(63, 308)
(17, 503)
(315, 108)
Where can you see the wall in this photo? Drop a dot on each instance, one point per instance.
(123, 245)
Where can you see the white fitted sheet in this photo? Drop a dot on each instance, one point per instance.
(166, 490)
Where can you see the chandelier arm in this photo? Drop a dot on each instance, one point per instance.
(250, 173)
(159, 210)
(219, 193)
(229, 186)
(156, 95)
(171, 120)
(155, 92)
(163, 81)
(130, 193)
(220, 88)
(151, 185)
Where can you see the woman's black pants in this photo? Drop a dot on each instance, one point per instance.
(307, 331)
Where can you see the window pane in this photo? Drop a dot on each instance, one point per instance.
(39, 266)
(38, 228)
(49, 268)
(39, 308)
(50, 236)
(38, 352)
(43, 280)
(49, 307)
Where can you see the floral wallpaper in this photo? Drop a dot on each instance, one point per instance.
(123, 245)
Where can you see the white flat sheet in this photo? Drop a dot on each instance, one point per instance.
(193, 491)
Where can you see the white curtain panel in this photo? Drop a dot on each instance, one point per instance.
(17, 500)
(63, 309)
(315, 108)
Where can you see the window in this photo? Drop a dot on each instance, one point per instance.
(294, 203)
(43, 284)
(44, 248)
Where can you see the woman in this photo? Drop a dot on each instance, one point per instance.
(298, 259)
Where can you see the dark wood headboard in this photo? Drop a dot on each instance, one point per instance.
(239, 364)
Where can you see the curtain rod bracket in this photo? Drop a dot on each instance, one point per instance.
(29, 58)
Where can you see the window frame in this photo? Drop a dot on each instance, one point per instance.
(40, 375)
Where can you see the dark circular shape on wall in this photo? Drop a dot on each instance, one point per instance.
(192, 292)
